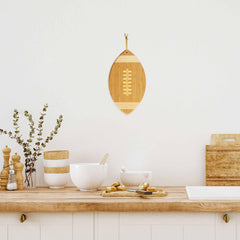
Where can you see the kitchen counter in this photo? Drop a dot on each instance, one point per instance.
(71, 199)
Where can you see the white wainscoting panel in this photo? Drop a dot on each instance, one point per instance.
(83, 226)
(167, 232)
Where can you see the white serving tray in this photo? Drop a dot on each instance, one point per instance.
(213, 193)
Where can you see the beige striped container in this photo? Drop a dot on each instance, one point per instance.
(56, 168)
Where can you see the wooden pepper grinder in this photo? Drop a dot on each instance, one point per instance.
(6, 155)
(4, 174)
(4, 179)
(15, 159)
(18, 167)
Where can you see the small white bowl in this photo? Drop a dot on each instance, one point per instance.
(132, 179)
(88, 176)
(55, 181)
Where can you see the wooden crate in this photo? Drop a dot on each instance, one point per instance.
(223, 160)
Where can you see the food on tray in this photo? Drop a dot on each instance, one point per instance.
(115, 187)
(121, 188)
(116, 184)
(152, 189)
(143, 186)
(118, 190)
(110, 189)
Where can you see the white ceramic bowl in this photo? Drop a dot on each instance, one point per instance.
(135, 178)
(88, 176)
(55, 181)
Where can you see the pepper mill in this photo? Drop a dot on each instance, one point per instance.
(4, 173)
(18, 168)
(6, 155)
(4, 179)
(15, 159)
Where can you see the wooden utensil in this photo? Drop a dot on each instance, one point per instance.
(223, 160)
(103, 161)
(127, 81)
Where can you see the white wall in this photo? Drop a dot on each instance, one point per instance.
(60, 52)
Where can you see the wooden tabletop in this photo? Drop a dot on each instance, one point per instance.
(72, 200)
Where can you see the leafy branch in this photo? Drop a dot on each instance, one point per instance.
(31, 153)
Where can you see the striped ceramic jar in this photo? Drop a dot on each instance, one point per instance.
(56, 168)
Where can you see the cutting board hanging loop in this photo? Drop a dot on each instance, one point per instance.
(126, 38)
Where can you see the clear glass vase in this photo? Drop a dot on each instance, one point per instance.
(30, 179)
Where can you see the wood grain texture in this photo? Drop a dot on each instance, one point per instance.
(225, 139)
(56, 155)
(54, 170)
(223, 160)
(133, 194)
(72, 200)
(127, 82)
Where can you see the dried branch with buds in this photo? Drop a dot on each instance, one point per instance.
(32, 151)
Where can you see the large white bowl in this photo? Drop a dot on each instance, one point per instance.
(88, 176)
(132, 179)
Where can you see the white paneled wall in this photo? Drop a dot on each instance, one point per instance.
(107, 226)
(171, 226)
(120, 226)
(38, 226)
(168, 231)
(83, 226)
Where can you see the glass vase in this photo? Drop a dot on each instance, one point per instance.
(30, 179)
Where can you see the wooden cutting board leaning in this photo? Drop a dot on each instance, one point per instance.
(223, 160)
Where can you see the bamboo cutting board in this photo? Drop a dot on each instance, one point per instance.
(133, 194)
(223, 160)
(127, 81)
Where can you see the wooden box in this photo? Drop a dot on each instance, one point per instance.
(223, 160)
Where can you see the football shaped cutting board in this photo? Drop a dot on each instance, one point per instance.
(127, 81)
